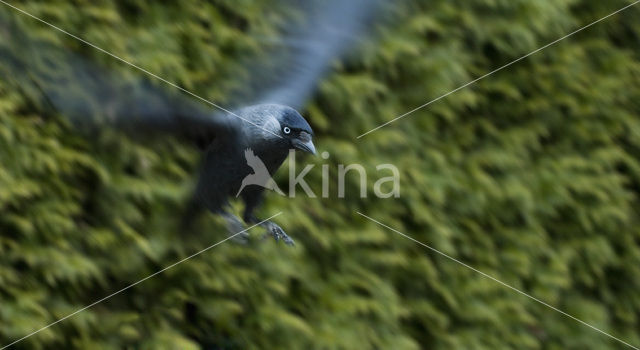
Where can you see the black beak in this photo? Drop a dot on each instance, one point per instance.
(304, 143)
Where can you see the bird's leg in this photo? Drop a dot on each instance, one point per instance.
(272, 228)
(234, 225)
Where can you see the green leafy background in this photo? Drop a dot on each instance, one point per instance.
(531, 175)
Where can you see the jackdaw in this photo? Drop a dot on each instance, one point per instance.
(269, 131)
(89, 93)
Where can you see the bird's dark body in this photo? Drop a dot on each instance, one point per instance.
(225, 167)
(267, 132)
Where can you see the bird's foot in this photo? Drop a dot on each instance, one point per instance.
(242, 238)
(278, 233)
(236, 229)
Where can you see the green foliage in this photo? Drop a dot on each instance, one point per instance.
(531, 175)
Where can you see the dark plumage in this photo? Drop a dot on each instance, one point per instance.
(270, 131)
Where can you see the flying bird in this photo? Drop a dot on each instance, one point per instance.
(269, 129)
(88, 93)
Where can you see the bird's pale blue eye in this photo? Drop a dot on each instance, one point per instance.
(286, 130)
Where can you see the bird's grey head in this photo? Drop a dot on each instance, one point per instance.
(279, 124)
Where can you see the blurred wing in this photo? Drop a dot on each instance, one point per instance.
(321, 33)
(93, 96)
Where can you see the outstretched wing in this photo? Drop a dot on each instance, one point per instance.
(324, 30)
(90, 94)
(93, 96)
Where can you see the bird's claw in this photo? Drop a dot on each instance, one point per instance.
(278, 234)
